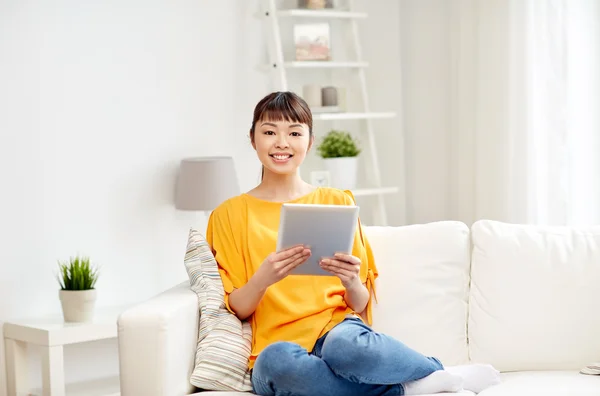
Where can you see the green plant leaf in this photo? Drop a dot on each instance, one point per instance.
(77, 274)
(337, 144)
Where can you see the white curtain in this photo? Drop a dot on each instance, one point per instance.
(526, 100)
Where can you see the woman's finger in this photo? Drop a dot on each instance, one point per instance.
(290, 266)
(287, 253)
(342, 264)
(345, 275)
(341, 272)
(304, 253)
(347, 258)
(293, 264)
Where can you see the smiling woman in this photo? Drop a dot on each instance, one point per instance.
(310, 334)
(282, 129)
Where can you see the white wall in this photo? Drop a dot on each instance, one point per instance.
(98, 103)
(425, 44)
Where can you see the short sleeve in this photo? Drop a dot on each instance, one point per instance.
(222, 240)
(368, 269)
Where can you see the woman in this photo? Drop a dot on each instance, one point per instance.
(311, 335)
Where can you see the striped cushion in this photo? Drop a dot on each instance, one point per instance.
(224, 342)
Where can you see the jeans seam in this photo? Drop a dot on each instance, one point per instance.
(402, 390)
(263, 384)
(371, 381)
(352, 378)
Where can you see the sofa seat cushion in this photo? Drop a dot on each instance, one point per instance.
(546, 383)
(222, 393)
(525, 383)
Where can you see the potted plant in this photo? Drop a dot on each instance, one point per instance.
(340, 154)
(77, 279)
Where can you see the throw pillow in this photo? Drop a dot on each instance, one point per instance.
(224, 342)
(591, 369)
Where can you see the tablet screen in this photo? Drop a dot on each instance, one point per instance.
(327, 229)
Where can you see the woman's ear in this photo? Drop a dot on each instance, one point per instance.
(310, 142)
(252, 139)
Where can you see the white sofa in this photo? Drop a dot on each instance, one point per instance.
(525, 299)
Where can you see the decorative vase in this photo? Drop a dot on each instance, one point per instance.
(78, 305)
(329, 96)
(342, 172)
(311, 93)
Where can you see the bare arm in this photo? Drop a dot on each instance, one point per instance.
(244, 301)
(357, 296)
(347, 268)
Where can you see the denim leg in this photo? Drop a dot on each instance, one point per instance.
(286, 369)
(357, 353)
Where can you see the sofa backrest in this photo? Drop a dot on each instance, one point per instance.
(535, 296)
(423, 287)
(516, 296)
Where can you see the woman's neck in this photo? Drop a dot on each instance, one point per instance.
(274, 187)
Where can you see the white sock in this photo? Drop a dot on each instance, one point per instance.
(476, 377)
(436, 382)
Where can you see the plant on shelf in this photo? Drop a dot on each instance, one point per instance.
(77, 279)
(338, 144)
(340, 151)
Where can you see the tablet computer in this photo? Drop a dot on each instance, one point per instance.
(327, 229)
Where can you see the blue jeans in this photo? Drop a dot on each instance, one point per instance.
(351, 359)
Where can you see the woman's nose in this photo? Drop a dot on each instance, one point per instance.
(281, 142)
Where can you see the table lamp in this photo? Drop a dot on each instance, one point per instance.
(205, 182)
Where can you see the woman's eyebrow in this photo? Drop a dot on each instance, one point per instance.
(295, 125)
(268, 123)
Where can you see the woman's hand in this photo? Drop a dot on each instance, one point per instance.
(345, 267)
(243, 301)
(278, 265)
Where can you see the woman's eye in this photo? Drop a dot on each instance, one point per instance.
(296, 134)
(269, 133)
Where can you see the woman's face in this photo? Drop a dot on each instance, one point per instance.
(281, 146)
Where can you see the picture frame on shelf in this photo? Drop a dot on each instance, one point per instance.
(315, 4)
(312, 41)
(320, 178)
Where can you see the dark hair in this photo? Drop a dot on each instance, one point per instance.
(280, 106)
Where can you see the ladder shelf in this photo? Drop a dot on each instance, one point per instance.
(279, 68)
(325, 64)
(352, 116)
(302, 13)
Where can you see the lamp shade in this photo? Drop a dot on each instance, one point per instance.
(205, 182)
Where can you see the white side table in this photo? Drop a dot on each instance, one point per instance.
(51, 333)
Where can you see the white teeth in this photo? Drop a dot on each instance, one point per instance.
(281, 157)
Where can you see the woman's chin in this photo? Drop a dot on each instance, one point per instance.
(284, 170)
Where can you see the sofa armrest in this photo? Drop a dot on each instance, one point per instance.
(157, 344)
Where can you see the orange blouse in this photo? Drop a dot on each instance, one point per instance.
(242, 232)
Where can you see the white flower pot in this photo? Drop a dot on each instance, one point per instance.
(342, 172)
(78, 305)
